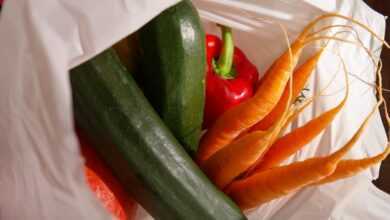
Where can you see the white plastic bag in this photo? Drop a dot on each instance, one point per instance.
(263, 42)
(40, 166)
(41, 174)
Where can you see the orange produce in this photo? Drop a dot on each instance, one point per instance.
(105, 186)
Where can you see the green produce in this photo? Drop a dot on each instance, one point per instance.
(173, 58)
(140, 149)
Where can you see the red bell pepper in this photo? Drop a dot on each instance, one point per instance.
(230, 78)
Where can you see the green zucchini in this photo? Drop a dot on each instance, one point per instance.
(142, 152)
(173, 64)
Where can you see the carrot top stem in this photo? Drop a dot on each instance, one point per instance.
(328, 28)
(337, 156)
(330, 15)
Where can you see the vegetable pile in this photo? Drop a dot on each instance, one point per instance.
(242, 151)
(146, 130)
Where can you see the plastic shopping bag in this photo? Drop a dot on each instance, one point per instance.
(41, 174)
(40, 165)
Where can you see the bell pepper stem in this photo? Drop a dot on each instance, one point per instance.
(225, 61)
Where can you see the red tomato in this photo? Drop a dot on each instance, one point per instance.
(105, 186)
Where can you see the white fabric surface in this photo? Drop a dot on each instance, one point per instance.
(40, 165)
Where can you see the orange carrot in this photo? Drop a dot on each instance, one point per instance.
(275, 182)
(295, 110)
(272, 183)
(279, 181)
(300, 77)
(298, 138)
(223, 166)
(245, 152)
(237, 119)
(348, 168)
(316, 128)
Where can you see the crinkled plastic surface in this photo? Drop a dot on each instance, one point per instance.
(40, 164)
(41, 175)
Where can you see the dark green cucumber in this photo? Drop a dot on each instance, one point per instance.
(142, 152)
(173, 70)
